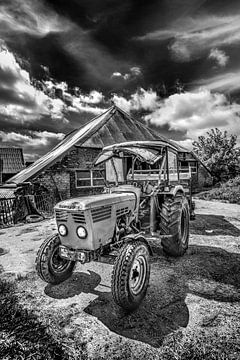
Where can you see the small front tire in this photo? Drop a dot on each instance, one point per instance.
(49, 265)
(130, 276)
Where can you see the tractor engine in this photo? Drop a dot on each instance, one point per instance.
(91, 222)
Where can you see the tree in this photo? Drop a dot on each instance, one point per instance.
(218, 152)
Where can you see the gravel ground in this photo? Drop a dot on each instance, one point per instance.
(193, 294)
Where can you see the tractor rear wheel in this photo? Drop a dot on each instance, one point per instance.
(130, 276)
(49, 265)
(175, 217)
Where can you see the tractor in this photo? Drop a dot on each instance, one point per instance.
(146, 200)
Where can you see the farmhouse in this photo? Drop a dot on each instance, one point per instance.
(67, 169)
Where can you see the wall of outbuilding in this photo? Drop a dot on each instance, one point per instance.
(202, 180)
(60, 178)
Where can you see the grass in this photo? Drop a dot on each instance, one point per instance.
(27, 332)
(208, 345)
(229, 192)
(26, 335)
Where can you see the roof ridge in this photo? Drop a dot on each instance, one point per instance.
(111, 111)
(139, 122)
(152, 131)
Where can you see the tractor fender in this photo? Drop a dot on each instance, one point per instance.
(137, 237)
(176, 189)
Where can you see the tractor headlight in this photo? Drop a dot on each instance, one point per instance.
(81, 232)
(62, 229)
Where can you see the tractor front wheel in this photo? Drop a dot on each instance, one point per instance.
(49, 265)
(175, 217)
(130, 275)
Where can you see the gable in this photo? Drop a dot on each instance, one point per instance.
(112, 126)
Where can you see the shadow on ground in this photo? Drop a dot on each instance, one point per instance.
(213, 225)
(80, 282)
(205, 271)
(16, 341)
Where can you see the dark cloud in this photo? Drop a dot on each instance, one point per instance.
(134, 51)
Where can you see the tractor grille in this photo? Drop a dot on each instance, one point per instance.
(61, 215)
(101, 213)
(122, 211)
(79, 217)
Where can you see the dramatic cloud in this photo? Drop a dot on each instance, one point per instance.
(46, 105)
(23, 102)
(195, 113)
(226, 82)
(62, 63)
(19, 99)
(140, 100)
(33, 142)
(191, 36)
(30, 17)
(219, 56)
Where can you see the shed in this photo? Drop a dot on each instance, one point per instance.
(66, 169)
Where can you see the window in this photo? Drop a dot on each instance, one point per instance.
(89, 178)
(97, 177)
(83, 178)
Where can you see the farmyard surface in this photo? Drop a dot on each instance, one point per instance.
(189, 299)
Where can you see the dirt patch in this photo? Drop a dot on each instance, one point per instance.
(27, 230)
(191, 309)
(213, 225)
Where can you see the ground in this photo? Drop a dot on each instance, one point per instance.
(191, 310)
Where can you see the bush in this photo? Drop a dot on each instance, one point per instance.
(229, 192)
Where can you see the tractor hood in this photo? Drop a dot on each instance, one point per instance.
(95, 201)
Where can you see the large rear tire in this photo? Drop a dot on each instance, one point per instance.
(49, 265)
(130, 276)
(174, 220)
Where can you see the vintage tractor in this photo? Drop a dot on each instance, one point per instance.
(146, 201)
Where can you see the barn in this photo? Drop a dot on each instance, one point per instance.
(67, 169)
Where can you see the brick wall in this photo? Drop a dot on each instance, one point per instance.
(57, 182)
(60, 177)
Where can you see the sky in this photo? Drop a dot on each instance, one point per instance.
(173, 64)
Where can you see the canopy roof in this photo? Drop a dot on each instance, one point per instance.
(149, 151)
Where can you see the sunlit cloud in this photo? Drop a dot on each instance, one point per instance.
(219, 56)
(25, 103)
(140, 100)
(133, 73)
(194, 113)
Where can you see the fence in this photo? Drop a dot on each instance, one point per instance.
(7, 211)
(44, 204)
(14, 210)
